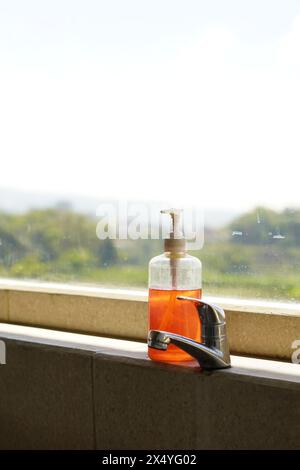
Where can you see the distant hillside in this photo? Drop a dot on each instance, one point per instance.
(15, 201)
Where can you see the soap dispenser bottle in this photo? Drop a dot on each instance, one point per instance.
(171, 274)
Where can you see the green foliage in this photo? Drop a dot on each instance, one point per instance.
(264, 226)
(53, 237)
(74, 260)
(28, 267)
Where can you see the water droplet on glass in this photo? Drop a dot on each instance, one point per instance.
(279, 237)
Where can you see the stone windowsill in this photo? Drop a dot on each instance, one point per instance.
(278, 373)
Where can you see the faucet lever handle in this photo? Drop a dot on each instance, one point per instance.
(213, 324)
(210, 314)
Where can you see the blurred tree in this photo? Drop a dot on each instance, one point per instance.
(108, 255)
(261, 226)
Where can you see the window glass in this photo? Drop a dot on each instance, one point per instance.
(190, 104)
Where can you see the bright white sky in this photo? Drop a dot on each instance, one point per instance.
(151, 99)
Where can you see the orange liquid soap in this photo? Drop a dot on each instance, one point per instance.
(166, 313)
(174, 273)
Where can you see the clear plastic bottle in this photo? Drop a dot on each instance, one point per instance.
(171, 274)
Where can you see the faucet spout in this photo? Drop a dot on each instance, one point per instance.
(208, 358)
(212, 352)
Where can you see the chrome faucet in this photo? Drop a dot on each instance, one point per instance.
(213, 351)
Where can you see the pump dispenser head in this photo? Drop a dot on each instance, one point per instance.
(175, 242)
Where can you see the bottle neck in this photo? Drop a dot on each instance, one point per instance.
(175, 245)
(175, 254)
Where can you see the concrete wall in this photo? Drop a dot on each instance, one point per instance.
(58, 396)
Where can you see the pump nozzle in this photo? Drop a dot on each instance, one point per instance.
(175, 214)
(175, 242)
